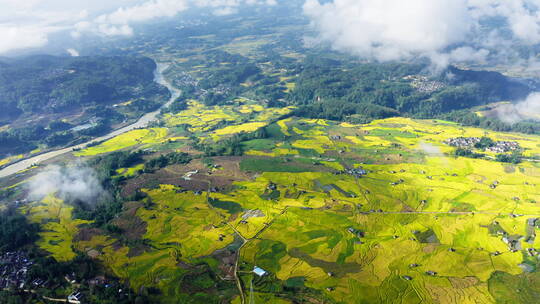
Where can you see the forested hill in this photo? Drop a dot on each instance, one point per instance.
(50, 101)
(329, 89)
(42, 84)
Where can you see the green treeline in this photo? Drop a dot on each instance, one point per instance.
(15, 230)
(42, 84)
(331, 90)
(468, 118)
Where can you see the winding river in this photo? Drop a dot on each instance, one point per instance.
(141, 123)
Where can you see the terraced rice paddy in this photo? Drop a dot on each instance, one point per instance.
(247, 127)
(129, 172)
(180, 227)
(59, 227)
(420, 225)
(246, 46)
(222, 121)
(395, 206)
(133, 138)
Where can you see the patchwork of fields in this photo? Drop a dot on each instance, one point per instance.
(333, 212)
(59, 227)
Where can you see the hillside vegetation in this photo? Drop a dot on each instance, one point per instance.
(49, 101)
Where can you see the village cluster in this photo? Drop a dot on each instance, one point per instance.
(514, 242)
(356, 172)
(471, 142)
(15, 269)
(423, 84)
(14, 266)
(504, 146)
(184, 79)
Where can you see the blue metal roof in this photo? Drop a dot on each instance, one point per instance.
(259, 271)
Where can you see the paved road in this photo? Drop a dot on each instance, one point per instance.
(141, 123)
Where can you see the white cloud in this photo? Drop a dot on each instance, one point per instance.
(29, 23)
(430, 149)
(522, 16)
(73, 52)
(21, 37)
(77, 182)
(443, 30)
(224, 11)
(390, 29)
(114, 30)
(118, 22)
(441, 60)
(145, 11)
(526, 109)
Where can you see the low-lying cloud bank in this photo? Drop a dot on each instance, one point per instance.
(528, 109)
(430, 149)
(445, 31)
(77, 182)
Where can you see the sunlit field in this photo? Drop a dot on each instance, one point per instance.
(130, 139)
(58, 226)
(314, 224)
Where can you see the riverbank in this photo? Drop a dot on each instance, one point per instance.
(140, 123)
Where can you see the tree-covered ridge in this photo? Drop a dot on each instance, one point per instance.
(42, 84)
(50, 101)
(333, 90)
(334, 86)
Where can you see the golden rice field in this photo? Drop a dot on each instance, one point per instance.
(248, 109)
(202, 120)
(10, 159)
(284, 127)
(190, 230)
(317, 241)
(129, 172)
(398, 133)
(179, 226)
(325, 234)
(273, 113)
(139, 137)
(245, 46)
(200, 117)
(206, 120)
(57, 224)
(449, 198)
(247, 127)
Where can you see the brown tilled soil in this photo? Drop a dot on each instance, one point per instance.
(86, 234)
(462, 283)
(407, 208)
(227, 260)
(223, 177)
(133, 227)
(137, 250)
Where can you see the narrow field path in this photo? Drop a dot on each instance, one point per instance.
(236, 232)
(245, 240)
